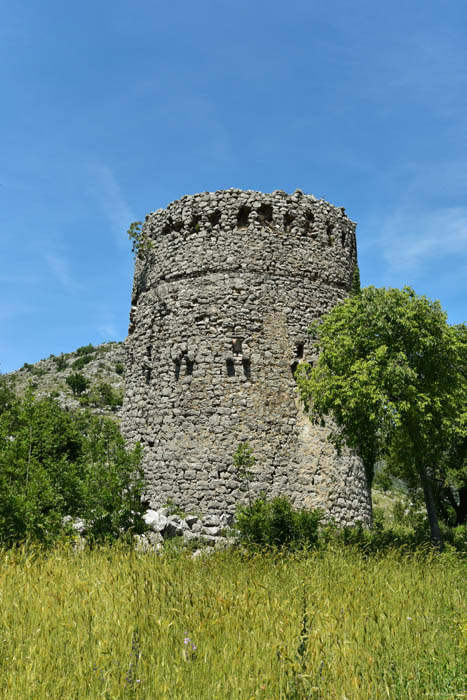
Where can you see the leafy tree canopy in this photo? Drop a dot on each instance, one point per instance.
(54, 463)
(391, 372)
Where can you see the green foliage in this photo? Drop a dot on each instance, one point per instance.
(55, 463)
(355, 288)
(82, 361)
(60, 363)
(35, 371)
(141, 245)
(389, 373)
(276, 523)
(77, 383)
(119, 368)
(243, 462)
(103, 395)
(86, 349)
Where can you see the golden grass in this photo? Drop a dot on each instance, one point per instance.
(111, 624)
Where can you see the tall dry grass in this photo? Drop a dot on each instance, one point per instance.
(112, 624)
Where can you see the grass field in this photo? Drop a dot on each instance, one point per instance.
(110, 623)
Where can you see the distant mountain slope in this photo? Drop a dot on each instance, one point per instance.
(101, 366)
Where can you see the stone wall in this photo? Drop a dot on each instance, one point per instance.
(219, 319)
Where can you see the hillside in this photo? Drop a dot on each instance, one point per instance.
(101, 366)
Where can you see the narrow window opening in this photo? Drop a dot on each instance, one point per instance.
(309, 222)
(177, 371)
(218, 474)
(167, 227)
(237, 346)
(178, 225)
(230, 368)
(293, 367)
(215, 217)
(329, 230)
(242, 217)
(147, 375)
(246, 367)
(343, 237)
(299, 350)
(265, 213)
(189, 367)
(195, 223)
(288, 221)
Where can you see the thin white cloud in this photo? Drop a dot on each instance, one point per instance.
(105, 188)
(61, 269)
(414, 242)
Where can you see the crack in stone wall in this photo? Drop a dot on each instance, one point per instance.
(219, 319)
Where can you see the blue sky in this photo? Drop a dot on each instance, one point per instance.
(113, 109)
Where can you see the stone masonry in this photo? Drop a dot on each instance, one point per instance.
(220, 310)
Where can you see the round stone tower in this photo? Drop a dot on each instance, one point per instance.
(221, 304)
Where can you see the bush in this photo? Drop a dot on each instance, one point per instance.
(60, 363)
(85, 349)
(276, 523)
(119, 368)
(103, 396)
(55, 464)
(77, 383)
(82, 361)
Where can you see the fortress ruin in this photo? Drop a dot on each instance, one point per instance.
(220, 309)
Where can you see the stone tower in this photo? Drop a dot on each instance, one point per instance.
(220, 310)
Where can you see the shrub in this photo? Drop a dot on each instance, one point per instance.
(104, 395)
(85, 349)
(119, 368)
(82, 361)
(54, 463)
(77, 383)
(60, 363)
(276, 523)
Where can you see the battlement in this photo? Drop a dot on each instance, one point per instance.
(231, 230)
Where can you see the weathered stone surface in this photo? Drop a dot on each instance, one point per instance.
(218, 323)
(156, 521)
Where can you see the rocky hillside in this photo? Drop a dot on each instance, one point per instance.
(92, 377)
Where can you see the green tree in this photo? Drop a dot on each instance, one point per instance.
(55, 463)
(389, 373)
(77, 383)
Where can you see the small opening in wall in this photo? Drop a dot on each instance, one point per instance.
(293, 367)
(195, 223)
(246, 367)
(288, 221)
(178, 225)
(265, 213)
(218, 474)
(237, 346)
(147, 375)
(177, 370)
(189, 367)
(215, 217)
(299, 350)
(167, 227)
(343, 237)
(309, 222)
(230, 368)
(242, 217)
(329, 230)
